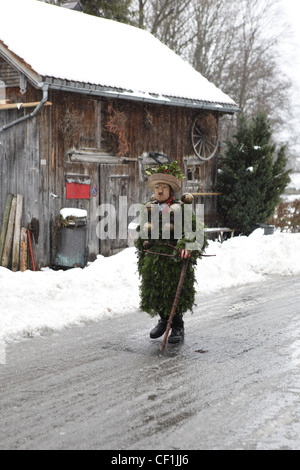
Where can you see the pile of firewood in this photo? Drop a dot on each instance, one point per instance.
(14, 239)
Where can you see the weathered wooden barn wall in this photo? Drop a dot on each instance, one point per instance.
(23, 166)
(167, 130)
(80, 123)
(9, 75)
(38, 157)
(73, 125)
(162, 128)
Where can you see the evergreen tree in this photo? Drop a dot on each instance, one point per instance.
(252, 178)
(117, 10)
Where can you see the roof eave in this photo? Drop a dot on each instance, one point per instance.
(107, 92)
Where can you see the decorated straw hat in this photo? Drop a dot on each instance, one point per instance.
(162, 178)
(165, 174)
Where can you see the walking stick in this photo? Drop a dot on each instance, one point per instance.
(177, 296)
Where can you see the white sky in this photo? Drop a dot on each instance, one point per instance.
(292, 43)
(291, 60)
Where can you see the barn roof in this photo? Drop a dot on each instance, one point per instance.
(78, 52)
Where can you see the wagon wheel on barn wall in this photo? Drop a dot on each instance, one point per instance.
(205, 136)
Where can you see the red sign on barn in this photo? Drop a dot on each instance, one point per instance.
(77, 191)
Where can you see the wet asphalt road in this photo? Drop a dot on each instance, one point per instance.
(233, 384)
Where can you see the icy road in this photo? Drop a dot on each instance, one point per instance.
(233, 384)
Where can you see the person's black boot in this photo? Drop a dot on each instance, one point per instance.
(177, 333)
(159, 329)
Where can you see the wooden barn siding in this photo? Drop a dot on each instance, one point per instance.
(170, 133)
(9, 75)
(73, 126)
(22, 172)
(35, 162)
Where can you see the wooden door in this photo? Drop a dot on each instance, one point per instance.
(115, 189)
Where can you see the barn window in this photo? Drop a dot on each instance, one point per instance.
(195, 174)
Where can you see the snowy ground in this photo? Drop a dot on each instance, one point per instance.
(32, 302)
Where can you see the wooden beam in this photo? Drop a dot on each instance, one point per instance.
(206, 194)
(5, 224)
(17, 234)
(9, 234)
(23, 105)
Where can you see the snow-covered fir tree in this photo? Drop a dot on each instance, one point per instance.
(252, 176)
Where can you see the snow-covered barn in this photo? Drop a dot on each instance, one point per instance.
(83, 100)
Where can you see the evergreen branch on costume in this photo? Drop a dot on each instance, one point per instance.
(167, 168)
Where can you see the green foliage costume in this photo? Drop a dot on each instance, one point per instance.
(160, 274)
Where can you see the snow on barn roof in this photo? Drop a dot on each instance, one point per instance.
(79, 52)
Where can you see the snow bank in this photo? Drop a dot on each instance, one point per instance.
(242, 260)
(37, 301)
(32, 302)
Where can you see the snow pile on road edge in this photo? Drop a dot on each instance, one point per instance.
(32, 302)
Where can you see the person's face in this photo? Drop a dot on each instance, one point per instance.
(162, 192)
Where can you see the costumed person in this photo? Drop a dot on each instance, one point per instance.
(162, 245)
